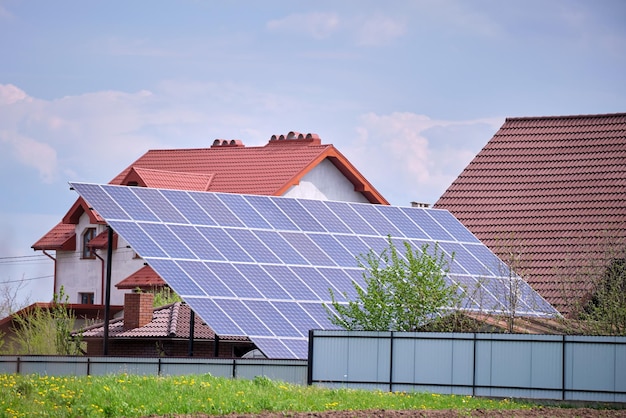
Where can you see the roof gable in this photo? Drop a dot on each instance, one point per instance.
(145, 278)
(162, 179)
(554, 188)
(267, 170)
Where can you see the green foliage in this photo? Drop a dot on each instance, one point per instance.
(117, 395)
(606, 311)
(46, 331)
(163, 296)
(403, 291)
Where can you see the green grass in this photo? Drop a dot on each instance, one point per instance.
(136, 396)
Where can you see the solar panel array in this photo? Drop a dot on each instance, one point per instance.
(262, 266)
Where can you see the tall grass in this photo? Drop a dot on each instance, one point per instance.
(136, 396)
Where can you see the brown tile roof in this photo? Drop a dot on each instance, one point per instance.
(170, 321)
(144, 278)
(555, 189)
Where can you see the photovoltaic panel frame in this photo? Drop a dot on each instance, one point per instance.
(263, 266)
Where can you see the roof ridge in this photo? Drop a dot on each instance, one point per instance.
(599, 115)
(173, 322)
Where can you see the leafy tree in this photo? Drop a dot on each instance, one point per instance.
(46, 330)
(607, 307)
(403, 291)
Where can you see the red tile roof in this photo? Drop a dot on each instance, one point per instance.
(145, 278)
(101, 240)
(61, 237)
(229, 167)
(268, 170)
(170, 321)
(554, 188)
(160, 179)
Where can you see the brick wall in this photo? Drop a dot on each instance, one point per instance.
(166, 348)
(137, 309)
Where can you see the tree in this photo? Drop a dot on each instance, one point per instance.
(46, 330)
(10, 297)
(607, 307)
(403, 291)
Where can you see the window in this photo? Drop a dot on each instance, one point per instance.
(86, 298)
(88, 235)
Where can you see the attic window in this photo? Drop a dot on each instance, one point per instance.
(132, 184)
(88, 235)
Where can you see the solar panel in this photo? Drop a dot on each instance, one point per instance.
(263, 267)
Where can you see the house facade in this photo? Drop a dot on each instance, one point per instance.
(292, 165)
(548, 196)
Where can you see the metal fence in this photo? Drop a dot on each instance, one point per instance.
(292, 371)
(576, 368)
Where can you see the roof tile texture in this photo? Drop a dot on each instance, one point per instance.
(170, 321)
(553, 187)
(246, 170)
(267, 170)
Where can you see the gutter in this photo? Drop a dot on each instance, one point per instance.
(54, 289)
(101, 277)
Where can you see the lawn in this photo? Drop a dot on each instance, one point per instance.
(137, 396)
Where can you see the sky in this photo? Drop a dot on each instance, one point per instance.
(409, 91)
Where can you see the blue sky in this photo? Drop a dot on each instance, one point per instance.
(409, 91)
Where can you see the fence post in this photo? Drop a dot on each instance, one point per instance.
(309, 365)
(391, 362)
(563, 365)
(17, 366)
(474, 367)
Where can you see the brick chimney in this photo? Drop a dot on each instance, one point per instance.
(137, 309)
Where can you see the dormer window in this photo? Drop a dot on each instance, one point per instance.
(88, 235)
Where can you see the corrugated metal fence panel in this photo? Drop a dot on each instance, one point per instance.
(433, 360)
(519, 365)
(53, 365)
(345, 355)
(501, 365)
(596, 368)
(291, 371)
(8, 364)
(182, 366)
(114, 365)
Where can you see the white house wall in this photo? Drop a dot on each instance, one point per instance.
(326, 182)
(78, 275)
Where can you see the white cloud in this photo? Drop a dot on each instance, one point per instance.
(406, 157)
(378, 30)
(10, 94)
(31, 153)
(317, 25)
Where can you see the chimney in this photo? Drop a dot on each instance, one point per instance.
(294, 137)
(227, 143)
(419, 205)
(137, 309)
